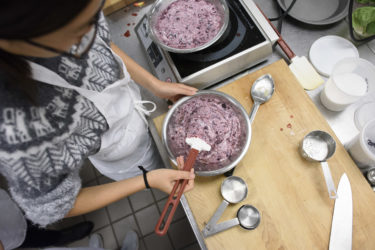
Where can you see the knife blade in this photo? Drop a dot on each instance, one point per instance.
(342, 221)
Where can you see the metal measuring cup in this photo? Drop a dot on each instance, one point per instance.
(320, 146)
(233, 190)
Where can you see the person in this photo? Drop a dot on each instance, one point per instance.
(67, 93)
(96, 242)
(16, 231)
(19, 233)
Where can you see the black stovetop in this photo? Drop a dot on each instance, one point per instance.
(240, 35)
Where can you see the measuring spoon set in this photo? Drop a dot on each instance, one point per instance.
(234, 190)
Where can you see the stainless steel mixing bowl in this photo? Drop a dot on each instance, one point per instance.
(245, 132)
(161, 5)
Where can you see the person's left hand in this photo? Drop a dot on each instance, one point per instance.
(164, 179)
(172, 91)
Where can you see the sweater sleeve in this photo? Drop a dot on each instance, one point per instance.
(52, 206)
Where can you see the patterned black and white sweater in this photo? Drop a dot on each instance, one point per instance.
(42, 148)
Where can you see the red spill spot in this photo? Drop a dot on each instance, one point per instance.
(289, 125)
(127, 33)
(281, 129)
(134, 14)
(291, 116)
(238, 34)
(128, 24)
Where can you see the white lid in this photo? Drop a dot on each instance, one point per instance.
(328, 50)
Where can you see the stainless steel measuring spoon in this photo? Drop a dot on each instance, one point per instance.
(320, 146)
(233, 190)
(248, 217)
(261, 91)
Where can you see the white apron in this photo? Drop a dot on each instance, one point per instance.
(126, 144)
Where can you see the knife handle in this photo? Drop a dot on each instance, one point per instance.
(283, 45)
(329, 181)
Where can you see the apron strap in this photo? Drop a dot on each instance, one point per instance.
(139, 106)
(42, 74)
(45, 75)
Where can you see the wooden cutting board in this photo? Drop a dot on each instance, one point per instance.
(111, 6)
(289, 192)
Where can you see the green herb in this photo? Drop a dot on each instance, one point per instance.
(363, 21)
(365, 1)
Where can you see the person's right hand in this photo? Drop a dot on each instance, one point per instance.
(164, 179)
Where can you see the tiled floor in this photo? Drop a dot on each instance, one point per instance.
(138, 212)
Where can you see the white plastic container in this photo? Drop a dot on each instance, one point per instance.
(363, 114)
(351, 79)
(362, 147)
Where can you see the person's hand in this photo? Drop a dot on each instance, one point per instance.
(164, 179)
(172, 91)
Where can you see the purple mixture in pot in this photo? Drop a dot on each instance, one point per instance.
(186, 24)
(212, 119)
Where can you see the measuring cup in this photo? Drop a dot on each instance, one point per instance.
(233, 190)
(248, 217)
(320, 146)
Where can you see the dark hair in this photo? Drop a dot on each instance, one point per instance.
(25, 19)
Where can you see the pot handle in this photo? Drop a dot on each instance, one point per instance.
(174, 197)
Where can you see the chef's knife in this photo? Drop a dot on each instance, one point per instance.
(342, 221)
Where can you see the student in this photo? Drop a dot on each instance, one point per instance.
(67, 94)
(16, 231)
(19, 233)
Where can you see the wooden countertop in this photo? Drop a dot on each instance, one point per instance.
(289, 192)
(111, 6)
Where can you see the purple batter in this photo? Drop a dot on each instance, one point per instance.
(186, 24)
(212, 119)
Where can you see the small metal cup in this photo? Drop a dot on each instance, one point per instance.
(319, 146)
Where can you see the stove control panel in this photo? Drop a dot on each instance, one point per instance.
(155, 56)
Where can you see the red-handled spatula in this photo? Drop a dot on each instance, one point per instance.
(196, 145)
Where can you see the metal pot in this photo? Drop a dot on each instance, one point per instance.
(245, 132)
(160, 5)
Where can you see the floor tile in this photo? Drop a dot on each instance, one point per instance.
(147, 219)
(179, 214)
(154, 241)
(118, 209)
(109, 239)
(80, 243)
(97, 173)
(87, 172)
(142, 245)
(99, 218)
(159, 195)
(181, 234)
(104, 180)
(195, 246)
(90, 183)
(67, 222)
(141, 199)
(123, 226)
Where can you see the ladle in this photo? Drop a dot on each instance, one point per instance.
(261, 92)
(319, 146)
(233, 190)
